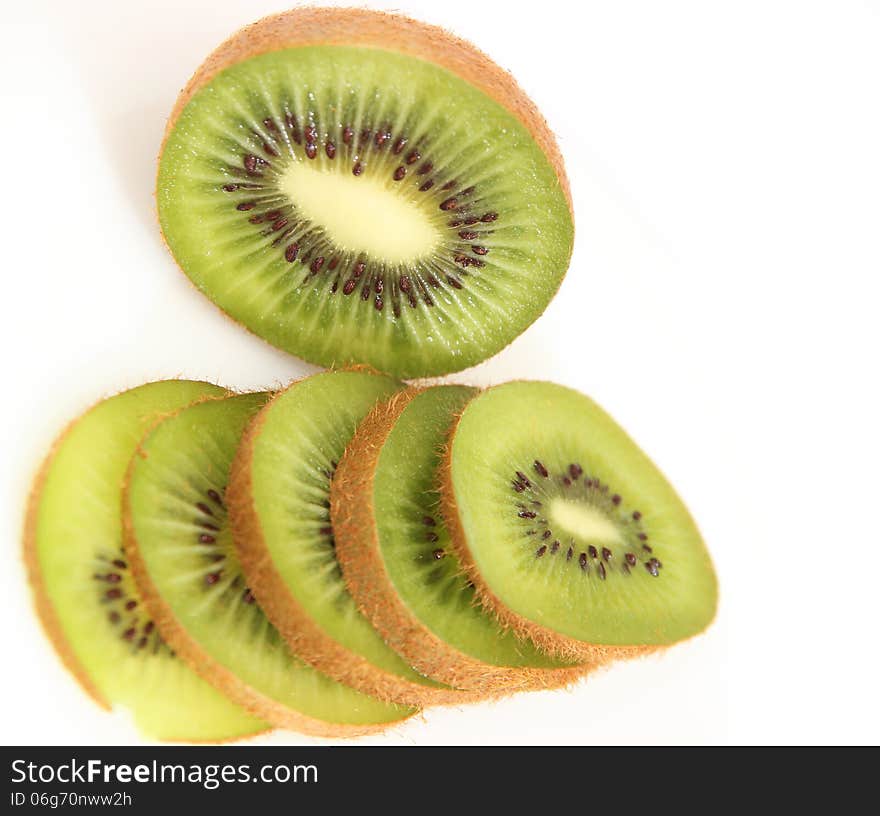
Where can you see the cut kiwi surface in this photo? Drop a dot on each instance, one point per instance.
(356, 187)
(570, 533)
(84, 590)
(279, 505)
(180, 548)
(395, 555)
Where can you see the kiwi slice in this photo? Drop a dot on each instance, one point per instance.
(570, 533)
(84, 590)
(356, 187)
(180, 550)
(396, 559)
(279, 507)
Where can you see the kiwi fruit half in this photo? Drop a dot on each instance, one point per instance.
(356, 187)
(396, 559)
(180, 550)
(85, 593)
(279, 507)
(570, 533)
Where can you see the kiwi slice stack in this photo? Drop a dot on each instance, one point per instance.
(333, 557)
(356, 187)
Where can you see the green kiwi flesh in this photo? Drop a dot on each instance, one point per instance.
(177, 522)
(356, 205)
(84, 588)
(288, 461)
(568, 527)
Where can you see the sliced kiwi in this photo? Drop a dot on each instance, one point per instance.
(279, 506)
(356, 187)
(570, 533)
(395, 556)
(84, 590)
(180, 549)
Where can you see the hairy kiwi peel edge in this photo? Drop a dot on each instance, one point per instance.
(357, 547)
(303, 635)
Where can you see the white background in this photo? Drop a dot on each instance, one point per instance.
(722, 304)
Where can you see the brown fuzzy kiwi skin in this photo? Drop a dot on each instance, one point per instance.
(306, 26)
(305, 638)
(198, 659)
(548, 641)
(357, 548)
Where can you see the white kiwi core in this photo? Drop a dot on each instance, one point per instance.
(583, 522)
(361, 214)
